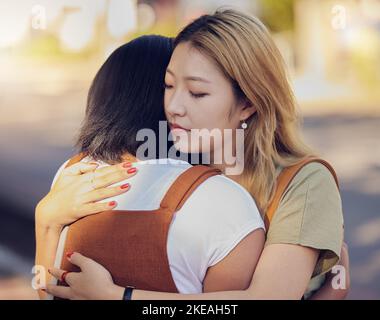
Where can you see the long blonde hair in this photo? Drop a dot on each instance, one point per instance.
(245, 52)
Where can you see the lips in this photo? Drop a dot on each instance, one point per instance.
(174, 126)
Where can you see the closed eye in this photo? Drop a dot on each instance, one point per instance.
(167, 86)
(198, 95)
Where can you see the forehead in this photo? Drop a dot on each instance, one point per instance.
(189, 61)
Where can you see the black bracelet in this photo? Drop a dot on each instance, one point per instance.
(128, 293)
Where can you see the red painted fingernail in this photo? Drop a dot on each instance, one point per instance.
(132, 170)
(112, 203)
(124, 186)
(69, 254)
(127, 165)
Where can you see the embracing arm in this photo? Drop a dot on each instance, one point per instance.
(235, 271)
(72, 197)
(46, 245)
(50, 217)
(283, 272)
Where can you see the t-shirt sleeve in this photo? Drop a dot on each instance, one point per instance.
(310, 214)
(232, 214)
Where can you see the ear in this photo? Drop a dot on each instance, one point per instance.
(247, 110)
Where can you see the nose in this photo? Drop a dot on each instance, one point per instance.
(174, 104)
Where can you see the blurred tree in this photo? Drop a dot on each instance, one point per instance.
(278, 15)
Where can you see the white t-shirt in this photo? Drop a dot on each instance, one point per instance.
(213, 220)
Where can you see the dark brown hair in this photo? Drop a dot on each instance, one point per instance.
(126, 95)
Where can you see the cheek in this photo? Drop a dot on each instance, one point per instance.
(218, 113)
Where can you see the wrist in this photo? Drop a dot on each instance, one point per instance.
(44, 220)
(115, 293)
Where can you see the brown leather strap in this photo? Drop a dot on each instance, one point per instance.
(75, 159)
(184, 185)
(283, 181)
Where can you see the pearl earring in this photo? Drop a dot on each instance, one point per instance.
(244, 125)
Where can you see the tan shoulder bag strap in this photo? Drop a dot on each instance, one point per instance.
(75, 159)
(184, 186)
(283, 181)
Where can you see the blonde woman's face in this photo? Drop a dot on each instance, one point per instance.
(198, 96)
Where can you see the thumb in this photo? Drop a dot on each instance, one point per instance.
(77, 259)
(80, 168)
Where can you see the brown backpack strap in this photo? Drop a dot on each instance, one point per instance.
(184, 186)
(284, 179)
(75, 159)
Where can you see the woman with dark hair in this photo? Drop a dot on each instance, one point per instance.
(125, 97)
(214, 233)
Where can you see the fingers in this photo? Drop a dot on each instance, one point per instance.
(113, 168)
(104, 193)
(57, 273)
(80, 168)
(117, 174)
(79, 260)
(94, 208)
(59, 291)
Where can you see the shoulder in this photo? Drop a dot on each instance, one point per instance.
(314, 173)
(312, 190)
(314, 182)
(223, 200)
(64, 165)
(220, 188)
(59, 171)
(222, 185)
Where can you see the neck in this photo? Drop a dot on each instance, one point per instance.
(127, 157)
(229, 159)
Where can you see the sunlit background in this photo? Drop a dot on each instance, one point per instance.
(51, 50)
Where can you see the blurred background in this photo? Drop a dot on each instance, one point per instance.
(51, 50)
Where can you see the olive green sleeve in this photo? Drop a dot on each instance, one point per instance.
(310, 214)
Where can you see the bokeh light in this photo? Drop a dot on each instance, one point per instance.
(14, 20)
(122, 17)
(77, 30)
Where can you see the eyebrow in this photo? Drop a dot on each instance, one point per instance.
(189, 78)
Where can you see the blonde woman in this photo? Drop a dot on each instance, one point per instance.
(225, 70)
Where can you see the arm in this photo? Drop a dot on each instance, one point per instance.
(235, 271)
(72, 197)
(283, 272)
(46, 246)
(327, 292)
